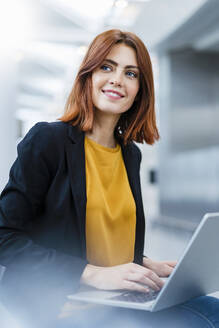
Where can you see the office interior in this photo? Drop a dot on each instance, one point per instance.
(42, 45)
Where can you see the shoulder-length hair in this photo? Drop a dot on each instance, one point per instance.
(136, 124)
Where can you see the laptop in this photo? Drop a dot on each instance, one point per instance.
(196, 274)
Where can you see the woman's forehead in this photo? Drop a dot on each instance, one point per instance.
(123, 55)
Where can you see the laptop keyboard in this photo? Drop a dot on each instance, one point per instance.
(136, 297)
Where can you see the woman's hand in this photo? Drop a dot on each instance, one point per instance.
(128, 276)
(162, 269)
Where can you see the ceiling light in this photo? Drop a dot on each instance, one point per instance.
(121, 4)
(140, 0)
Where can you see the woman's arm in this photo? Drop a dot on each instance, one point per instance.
(30, 177)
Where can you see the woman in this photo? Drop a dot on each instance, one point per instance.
(72, 210)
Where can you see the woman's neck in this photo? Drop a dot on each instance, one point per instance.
(103, 130)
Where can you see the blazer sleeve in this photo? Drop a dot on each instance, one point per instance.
(29, 179)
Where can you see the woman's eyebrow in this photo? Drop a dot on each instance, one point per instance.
(116, 64)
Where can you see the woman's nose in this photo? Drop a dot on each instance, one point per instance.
(116, 80)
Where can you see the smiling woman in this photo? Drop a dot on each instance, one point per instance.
(71, 213)
(120, 63)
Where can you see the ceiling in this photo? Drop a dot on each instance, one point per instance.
(59, 31)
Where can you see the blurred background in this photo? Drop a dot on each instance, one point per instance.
(42, 45)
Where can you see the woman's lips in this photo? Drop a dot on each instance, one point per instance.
(112, 94)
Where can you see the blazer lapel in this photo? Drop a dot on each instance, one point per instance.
(132, 167)
(76, 165)
(131, 170)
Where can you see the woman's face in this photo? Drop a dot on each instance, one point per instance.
(115, 83)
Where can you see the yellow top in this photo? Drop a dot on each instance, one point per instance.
(111, 210)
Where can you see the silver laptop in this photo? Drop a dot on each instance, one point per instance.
(196, 274)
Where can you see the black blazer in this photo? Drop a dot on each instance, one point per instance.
(43, 207)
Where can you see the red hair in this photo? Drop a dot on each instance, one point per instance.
(139, 122)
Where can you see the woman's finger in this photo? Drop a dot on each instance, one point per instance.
(131, 285)
(166, 270)
(142, 279)
(170, 263)
(153, 276)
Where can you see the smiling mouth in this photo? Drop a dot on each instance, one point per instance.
(112, 94)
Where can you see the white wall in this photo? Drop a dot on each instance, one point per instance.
(7, 119)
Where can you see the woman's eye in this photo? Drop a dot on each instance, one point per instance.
(132, 74)
(105, 68)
